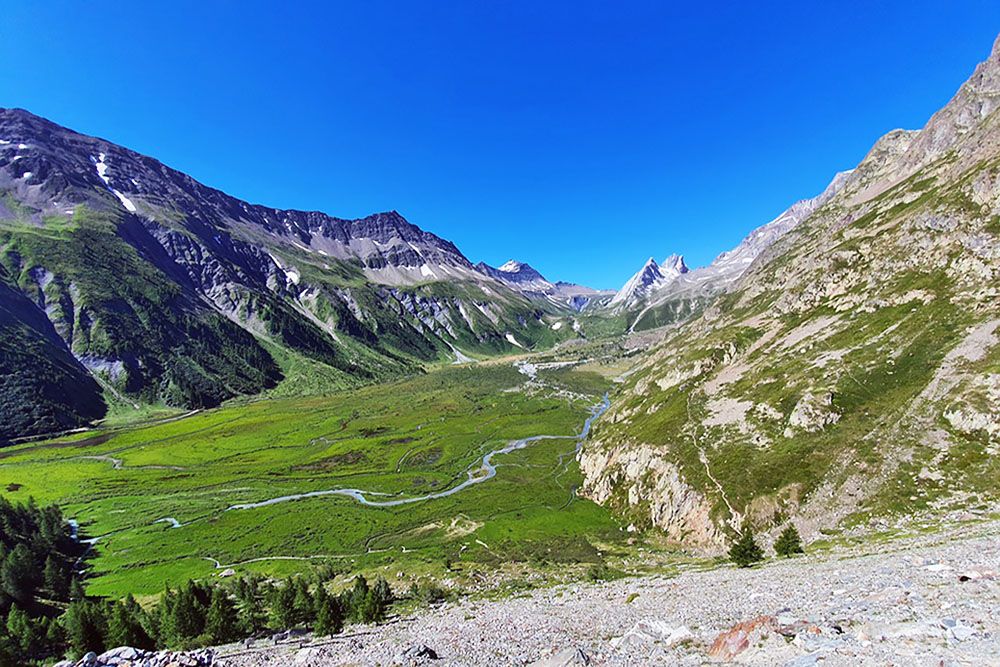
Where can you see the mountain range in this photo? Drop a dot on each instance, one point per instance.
(134, 284)
(125, 283)
(138, 285)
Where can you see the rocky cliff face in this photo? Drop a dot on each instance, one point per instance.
(851, 372)
(164, 289)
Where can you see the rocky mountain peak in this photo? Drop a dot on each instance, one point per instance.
(645, 281)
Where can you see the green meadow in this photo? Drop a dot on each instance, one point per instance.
(127, 485)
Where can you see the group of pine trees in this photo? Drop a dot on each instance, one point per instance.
(199, 614)
(38, 558)
(45, 612)
(745, 551)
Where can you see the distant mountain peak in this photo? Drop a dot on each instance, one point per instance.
(674, 265)
(646, 280)
(517, 274)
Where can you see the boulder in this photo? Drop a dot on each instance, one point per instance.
(741, 636)
(417, 653)
(654, 630)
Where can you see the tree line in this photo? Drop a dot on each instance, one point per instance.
(46, 613)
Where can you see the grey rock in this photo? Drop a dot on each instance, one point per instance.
(571, 657)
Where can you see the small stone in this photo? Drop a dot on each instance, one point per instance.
(961, 632)
(571, 657)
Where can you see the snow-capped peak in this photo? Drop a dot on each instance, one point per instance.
(673, 266)
(510, 266)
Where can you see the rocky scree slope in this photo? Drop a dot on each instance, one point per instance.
(929, 600)
(166, 290)
(853, 372)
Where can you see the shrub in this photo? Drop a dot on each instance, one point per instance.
(427, 592)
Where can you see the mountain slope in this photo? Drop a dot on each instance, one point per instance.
(41, 386)
(170, 291)
(853, 372)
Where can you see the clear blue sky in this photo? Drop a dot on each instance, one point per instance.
(581, 137)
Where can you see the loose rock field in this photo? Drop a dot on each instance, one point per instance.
(927, 600)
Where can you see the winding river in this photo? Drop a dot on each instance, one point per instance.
(487, 470)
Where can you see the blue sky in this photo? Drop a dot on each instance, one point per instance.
(580, 137)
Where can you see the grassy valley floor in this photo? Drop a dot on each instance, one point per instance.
(159, 498)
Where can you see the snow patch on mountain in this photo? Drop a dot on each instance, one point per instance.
(102, 172)
(513, 341)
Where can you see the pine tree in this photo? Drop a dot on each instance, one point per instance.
(745, 551)
(357, 598)
(383, 592)
(164, 626)
(789, 542)
(55, 636)
(84, 623)
(17, 574)
(251, 615)
(371, 610)
(55, 578)
(189, 613)
(21, 630)
(76, 590)
(221, 621)
(329, 613)
(125, 625)
(303, 603)
(283, 607)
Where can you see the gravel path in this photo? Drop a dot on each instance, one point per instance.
(929, 600)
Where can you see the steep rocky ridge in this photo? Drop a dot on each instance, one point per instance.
(851, 373)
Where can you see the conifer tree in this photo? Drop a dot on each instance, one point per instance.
(745, 551)
(221, 621)
(329, 613)
(21, 630)
(789, 542)
(189, 613)
(383, 592)
(54, 577)
(303, 603)
(76, 590)
(84, 623)
(17, 574)
(125, 625)
(283, 607)
(357, 598)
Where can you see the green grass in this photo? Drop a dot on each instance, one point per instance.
(407, 438)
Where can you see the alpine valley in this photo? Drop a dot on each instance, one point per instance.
(218, 391)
